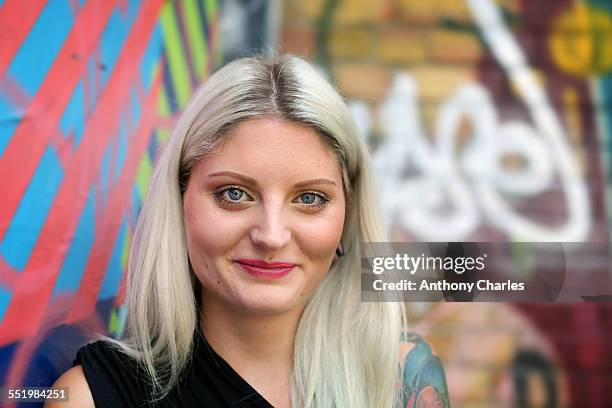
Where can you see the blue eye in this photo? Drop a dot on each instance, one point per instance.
(308, 198)
(312, 200)
(234, 194)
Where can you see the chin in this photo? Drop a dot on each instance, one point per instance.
(269, 303)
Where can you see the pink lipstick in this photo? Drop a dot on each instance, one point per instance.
(267, 270)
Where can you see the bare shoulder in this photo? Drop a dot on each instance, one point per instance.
(79, 393)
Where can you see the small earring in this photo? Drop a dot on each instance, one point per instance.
(340, 251)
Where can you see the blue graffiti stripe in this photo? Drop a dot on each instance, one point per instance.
(5, 299)
(74, 115)
(114, 271)
(9, 119)
(78, 253)
(169, 88)
(37, 53)
(601, 4)
(23, 231)
(151, 57)
(605, 84)
(113, 39)
(203, 15)
(153, 146)
(136, 109)
(605, 115)
(136, 202)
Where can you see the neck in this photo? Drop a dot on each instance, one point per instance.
(259, 347)
(249, 340)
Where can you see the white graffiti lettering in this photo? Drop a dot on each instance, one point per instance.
(440, 195)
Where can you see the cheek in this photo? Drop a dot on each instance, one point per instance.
(210, 235)
(319, 239)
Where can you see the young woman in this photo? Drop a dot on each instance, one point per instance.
(244, 273)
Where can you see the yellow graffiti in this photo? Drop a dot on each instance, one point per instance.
(581, 40)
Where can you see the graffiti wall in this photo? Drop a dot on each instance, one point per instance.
(488, 121)
(88, 92)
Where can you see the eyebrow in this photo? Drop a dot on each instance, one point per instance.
(246, 179)
(314, 182)
(249, 180)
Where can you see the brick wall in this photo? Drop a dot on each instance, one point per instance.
(441, 47)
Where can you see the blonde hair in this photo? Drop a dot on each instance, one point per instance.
(346, 351)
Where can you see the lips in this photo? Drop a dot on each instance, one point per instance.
(267, 270)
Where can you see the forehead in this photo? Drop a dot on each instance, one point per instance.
(273, 148)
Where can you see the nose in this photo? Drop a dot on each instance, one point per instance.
(271, 230)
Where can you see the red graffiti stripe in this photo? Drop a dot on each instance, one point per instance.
(8, 277)
(24, 151)
(16, 20)
(34, 289)
(121, 292)
(85, 301)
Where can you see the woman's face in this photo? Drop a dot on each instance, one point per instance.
(264, 214)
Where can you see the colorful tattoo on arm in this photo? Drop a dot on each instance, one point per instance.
(424, 380)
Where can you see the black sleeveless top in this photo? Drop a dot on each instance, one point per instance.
(209, 381)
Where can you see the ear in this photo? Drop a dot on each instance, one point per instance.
(339, 252)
